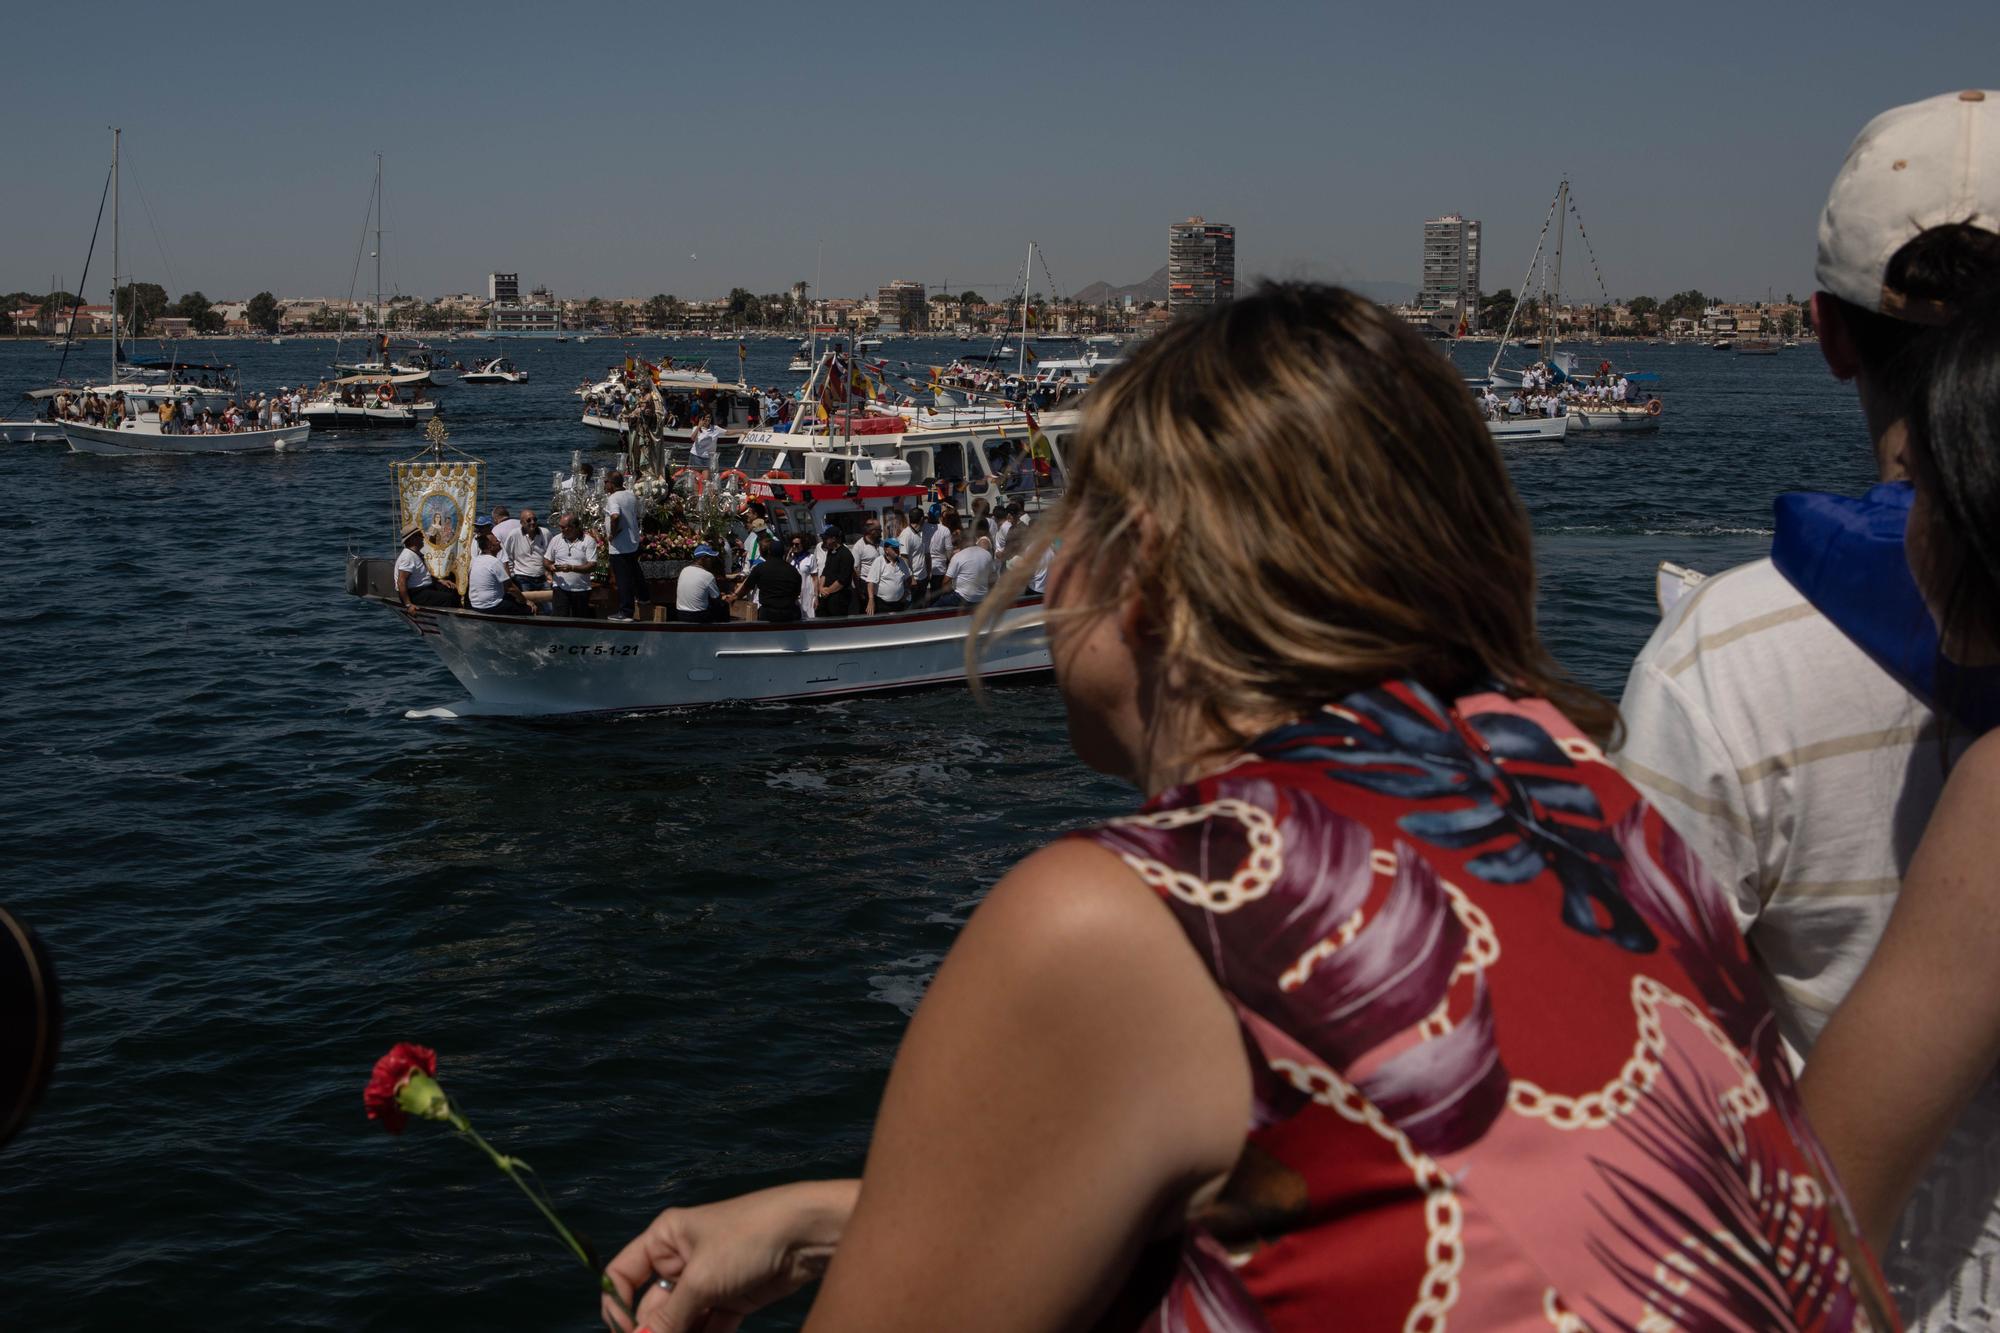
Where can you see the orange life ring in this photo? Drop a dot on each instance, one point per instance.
(699, 478)
(1653, 408)
(743, 482)
(777, 474)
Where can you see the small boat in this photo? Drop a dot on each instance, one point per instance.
(31, 432)
(139, 437)
(1505, 428)
(369, 414)
(497, 371)
(1722, 344)
(1757, 346)
(1630, 417)
(802, 360)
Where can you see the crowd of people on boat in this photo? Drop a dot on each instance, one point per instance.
(180, 415)
(1543, 395)
(1428, 986)
(905, 559)
(366, 393)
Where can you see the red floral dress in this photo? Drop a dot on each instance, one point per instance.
(1513, 1068)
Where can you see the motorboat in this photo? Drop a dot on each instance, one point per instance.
(497, 371)
(37, 431)
(366, 413)
(142, 437)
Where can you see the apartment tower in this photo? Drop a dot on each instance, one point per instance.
(1201, 264)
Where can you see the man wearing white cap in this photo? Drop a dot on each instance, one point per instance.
(1783, 715)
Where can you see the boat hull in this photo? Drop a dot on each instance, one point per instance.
(545, 665)
(1528, 428)
(1601, 419)
(108, 443)
(31, 432)
(341, 416)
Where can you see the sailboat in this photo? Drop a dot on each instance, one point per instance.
(378, 394)
(1558, 369)
(136, 429)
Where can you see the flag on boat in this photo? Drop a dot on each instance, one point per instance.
(630, 368)
(741, 351)
(1031, 354)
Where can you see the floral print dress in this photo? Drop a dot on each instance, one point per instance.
(1512, 1066)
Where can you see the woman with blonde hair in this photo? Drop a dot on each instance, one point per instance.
(1393, 1007)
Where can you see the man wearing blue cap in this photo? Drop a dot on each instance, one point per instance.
(697, 597)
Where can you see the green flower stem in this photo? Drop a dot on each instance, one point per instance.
(512, 1169)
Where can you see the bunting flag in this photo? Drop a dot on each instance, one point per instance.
(630, 368)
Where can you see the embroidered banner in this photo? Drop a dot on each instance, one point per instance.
(442, 499)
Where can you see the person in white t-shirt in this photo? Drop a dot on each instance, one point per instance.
(702, 448)
(1622, 390)
(867, 551)
(488, 589)
(968, 576)
(889, 590)
(1799, 770)
(505, 525)
(805, 557)
(621, 538)
(697, 596)
(571, 556)
(525, 552)
(939, 539)
(414, 583)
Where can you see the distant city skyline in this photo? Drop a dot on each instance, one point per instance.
(625, 151)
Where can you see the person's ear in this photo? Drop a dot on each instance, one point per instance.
(1836, 340)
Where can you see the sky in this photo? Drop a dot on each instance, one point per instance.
(627, 150)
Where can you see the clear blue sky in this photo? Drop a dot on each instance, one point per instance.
(627, 150)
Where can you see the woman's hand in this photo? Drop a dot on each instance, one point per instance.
(727, 1260)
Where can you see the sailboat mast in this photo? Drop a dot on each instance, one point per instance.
(115, 132)
(378, 249)
(1562, 219)
(1027, 281)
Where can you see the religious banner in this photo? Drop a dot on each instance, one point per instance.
(442, 499)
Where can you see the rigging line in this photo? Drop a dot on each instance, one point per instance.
(1526, 283)
(69, 334)
(355, 276)
(158, 244)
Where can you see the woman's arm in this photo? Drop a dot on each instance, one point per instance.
(1920, 1031)
(1073, 1079)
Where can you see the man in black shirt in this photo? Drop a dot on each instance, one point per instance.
(836, 576)
(778, 586)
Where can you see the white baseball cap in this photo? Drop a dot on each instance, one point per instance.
(1929, 164)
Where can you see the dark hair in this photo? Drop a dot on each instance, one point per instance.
(1955, 461)
(1943, 264)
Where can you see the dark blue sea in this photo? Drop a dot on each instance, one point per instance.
(664, 958)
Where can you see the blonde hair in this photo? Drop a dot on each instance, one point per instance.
(1317, 506)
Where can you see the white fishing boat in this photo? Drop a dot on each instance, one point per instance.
(497, 371)
(140, 437)
(802, 360)
(513, 665)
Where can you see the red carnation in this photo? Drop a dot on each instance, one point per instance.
(392, 1071)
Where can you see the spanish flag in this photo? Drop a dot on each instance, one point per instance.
(630, 368)
(1031, 355)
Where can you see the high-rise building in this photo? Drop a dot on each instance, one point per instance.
(503, 287)
(1451, 268)
(900, 307)
(1201, 263)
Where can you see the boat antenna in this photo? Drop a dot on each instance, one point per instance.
(1027, 282)
(1555, 294)
(115, 133)
(378, 249)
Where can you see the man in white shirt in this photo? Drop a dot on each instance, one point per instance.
(505, 525)
(414, 584)
(488, 590)
(967, 577)
(570, 557)
(1800, 771)
(621, 540)
(526, 554)
(1621, 390)
(938, 539)
(889, 590)
(697, 596)
(867, 556)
